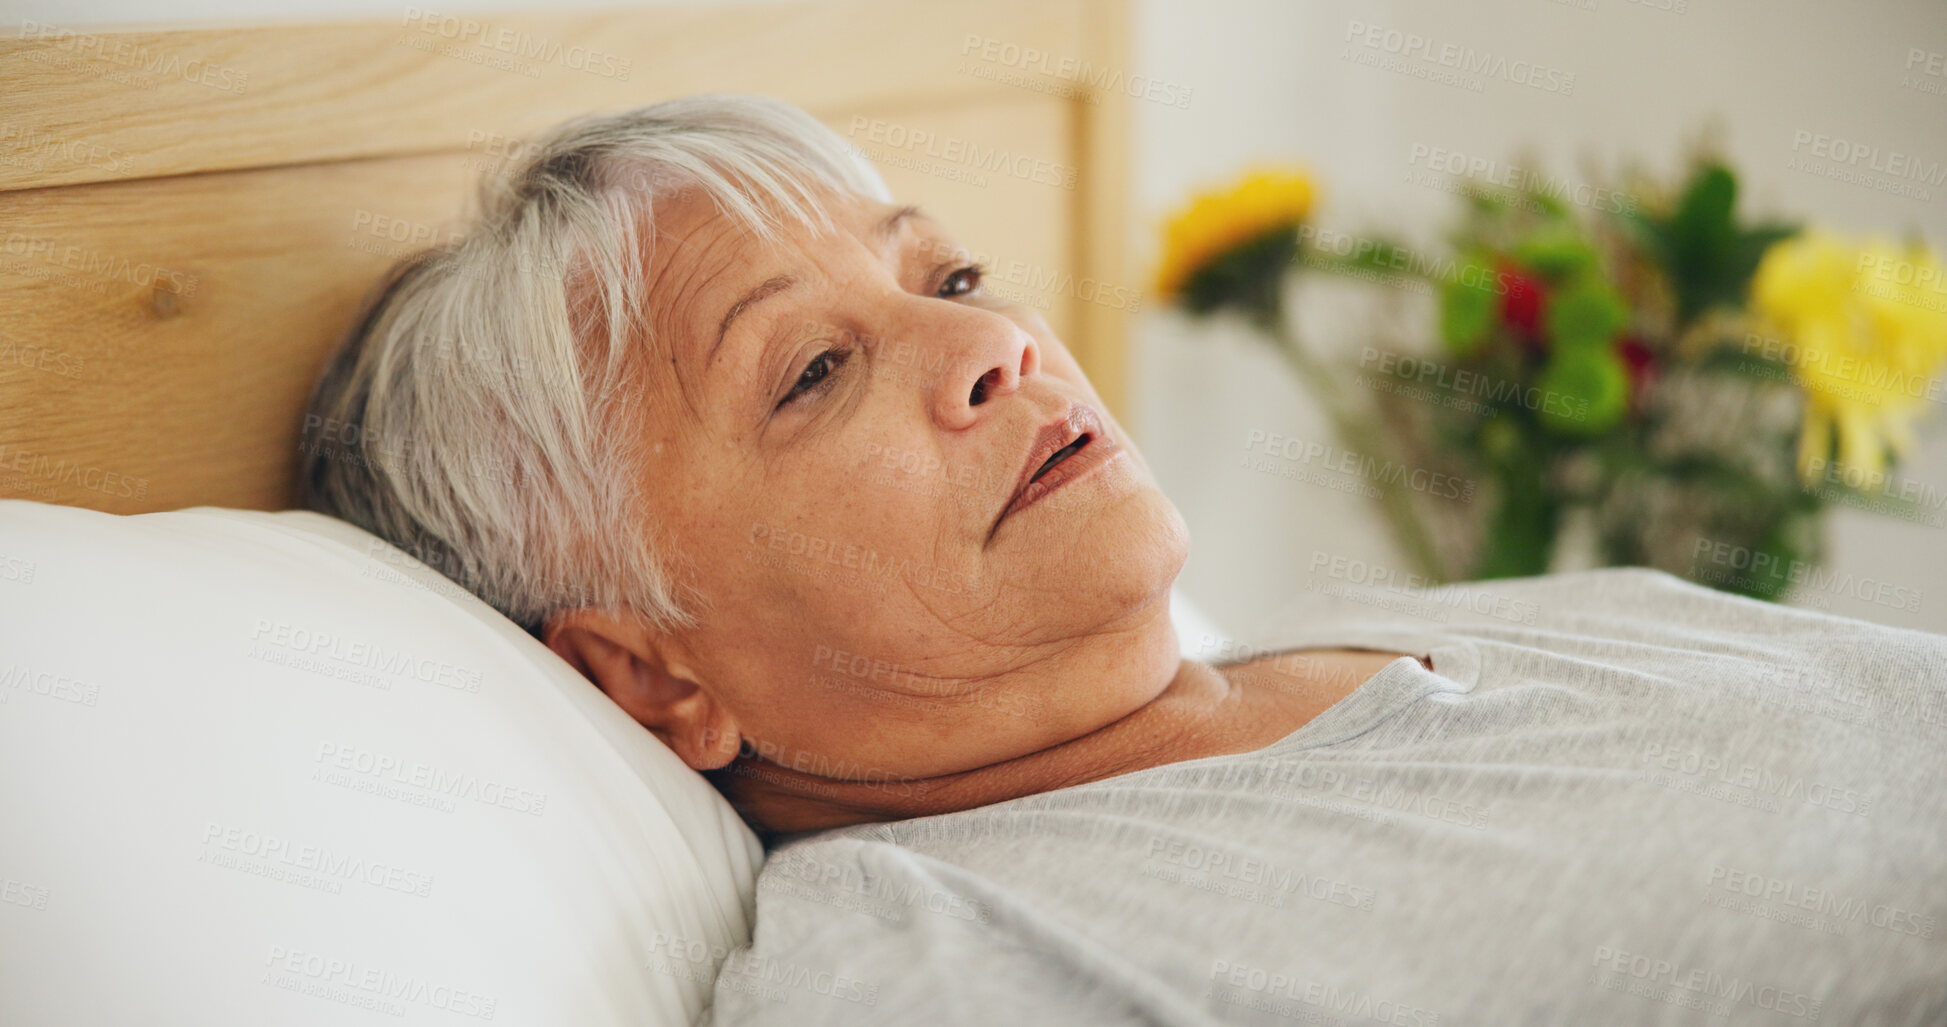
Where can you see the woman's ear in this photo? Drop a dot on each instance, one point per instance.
(639, 669)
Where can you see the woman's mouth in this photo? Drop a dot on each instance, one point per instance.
(1061, 454)
(1082, 446)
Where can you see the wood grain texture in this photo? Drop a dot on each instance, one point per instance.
(160, 331)
(181, 322)
(99, 107)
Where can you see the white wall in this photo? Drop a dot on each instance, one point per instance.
(1271, 81)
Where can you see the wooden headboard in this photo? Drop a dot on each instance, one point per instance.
(189, 219)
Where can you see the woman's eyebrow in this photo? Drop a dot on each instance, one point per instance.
(889, 228)
(887, 231)
(770, 287)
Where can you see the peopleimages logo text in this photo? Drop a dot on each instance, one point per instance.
(1411, 46)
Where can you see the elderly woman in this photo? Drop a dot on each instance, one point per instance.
(640, 409)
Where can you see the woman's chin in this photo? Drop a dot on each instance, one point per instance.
(1111, 543)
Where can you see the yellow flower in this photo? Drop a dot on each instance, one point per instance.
(1866, 328)
(1219, 220)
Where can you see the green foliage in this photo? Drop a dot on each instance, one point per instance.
(1249, 279)
(1707, 255)
(1520, 533)
(1586, 314)
(1557, 251)
(1467, 311)
(1384, 257)
(1596, 385)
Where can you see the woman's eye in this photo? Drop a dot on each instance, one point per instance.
(963, 281)
(816, 374)
(820, 371)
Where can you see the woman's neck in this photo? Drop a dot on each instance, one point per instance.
(1204, 711)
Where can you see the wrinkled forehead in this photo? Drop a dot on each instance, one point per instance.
(700, 259)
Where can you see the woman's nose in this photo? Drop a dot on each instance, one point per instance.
(991, 355)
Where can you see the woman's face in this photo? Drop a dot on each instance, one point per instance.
(842, 420)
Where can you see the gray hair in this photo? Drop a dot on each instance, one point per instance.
(479, 415)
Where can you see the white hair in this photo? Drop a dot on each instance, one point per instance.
(479, 414)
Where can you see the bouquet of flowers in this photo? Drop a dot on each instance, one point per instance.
(1691, 388)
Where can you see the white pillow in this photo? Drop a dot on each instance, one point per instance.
(265, 768)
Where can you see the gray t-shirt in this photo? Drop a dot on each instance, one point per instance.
(1618, 798)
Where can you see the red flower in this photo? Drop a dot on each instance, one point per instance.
(1524, 304)
(1641, 364)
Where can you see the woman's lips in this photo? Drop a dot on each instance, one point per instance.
(1081, 463)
